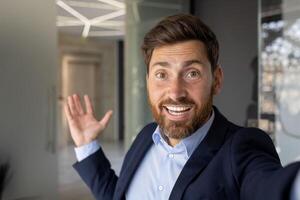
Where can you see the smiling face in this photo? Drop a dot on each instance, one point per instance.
(181, 86)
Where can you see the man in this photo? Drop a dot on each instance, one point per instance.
(191, 151)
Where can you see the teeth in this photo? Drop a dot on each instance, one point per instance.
(175, 113)
(178, 108)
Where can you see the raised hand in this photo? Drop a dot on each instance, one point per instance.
(84, 127)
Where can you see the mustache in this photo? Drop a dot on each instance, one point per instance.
(179, 101)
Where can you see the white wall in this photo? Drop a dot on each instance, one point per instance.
(27, 96)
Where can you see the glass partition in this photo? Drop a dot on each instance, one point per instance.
(279, 86)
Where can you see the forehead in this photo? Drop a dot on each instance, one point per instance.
(189, 49)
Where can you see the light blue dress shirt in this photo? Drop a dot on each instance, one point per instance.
(160, 168)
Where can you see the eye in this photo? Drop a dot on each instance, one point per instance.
(161, 75)
(194, 74)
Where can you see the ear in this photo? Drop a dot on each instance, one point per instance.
(218, 80)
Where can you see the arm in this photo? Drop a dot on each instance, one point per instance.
(95, 170)
(257, 167)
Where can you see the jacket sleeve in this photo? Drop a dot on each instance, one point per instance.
(257, 167)
(96, 172)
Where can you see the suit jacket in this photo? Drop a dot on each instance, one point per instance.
(230, 163)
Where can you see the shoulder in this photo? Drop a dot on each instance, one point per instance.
(252, 141)
(149, 127)
(143, 138)
(140, 145)
(251, 136)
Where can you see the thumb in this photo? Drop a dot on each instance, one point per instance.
(104, 121)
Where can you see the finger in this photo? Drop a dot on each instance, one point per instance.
(68, 112)
(72, 106)
(104, 121)
(78, 106)
(88, 105)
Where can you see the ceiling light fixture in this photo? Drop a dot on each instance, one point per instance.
(114, 3)
(76, 14)
(117, 10)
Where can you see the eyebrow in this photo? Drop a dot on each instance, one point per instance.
(185, 63)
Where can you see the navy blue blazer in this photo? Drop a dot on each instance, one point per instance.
(230, 163)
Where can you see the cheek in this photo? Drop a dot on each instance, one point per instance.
(154, 96)
(200, 93)
(155, 92)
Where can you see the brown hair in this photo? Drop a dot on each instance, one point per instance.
(179, 28)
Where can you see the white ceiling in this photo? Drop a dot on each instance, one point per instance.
(91, 18)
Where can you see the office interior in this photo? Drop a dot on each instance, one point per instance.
(51, 49)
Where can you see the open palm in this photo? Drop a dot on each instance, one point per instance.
(84, 127)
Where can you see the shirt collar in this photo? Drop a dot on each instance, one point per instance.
(190, 143)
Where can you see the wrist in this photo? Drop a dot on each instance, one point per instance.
(83, 143)
(86, 150)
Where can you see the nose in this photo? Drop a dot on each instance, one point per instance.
(177, 89)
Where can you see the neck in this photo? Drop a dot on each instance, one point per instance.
(173, 142)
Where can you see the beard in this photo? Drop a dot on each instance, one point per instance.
(182, 129)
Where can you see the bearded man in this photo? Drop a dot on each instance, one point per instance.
(191, 151)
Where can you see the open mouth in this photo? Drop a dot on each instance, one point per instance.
(178, 110)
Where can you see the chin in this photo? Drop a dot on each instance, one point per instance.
(176, 129)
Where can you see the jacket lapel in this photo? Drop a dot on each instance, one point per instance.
(133, 158)
(202, 155)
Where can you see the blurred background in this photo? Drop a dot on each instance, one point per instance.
(51, 49)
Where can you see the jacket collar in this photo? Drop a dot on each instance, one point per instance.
(133, 158)
(195, 165)
(202, 154)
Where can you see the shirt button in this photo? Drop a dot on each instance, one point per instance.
(171, 155)
(160, 188)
